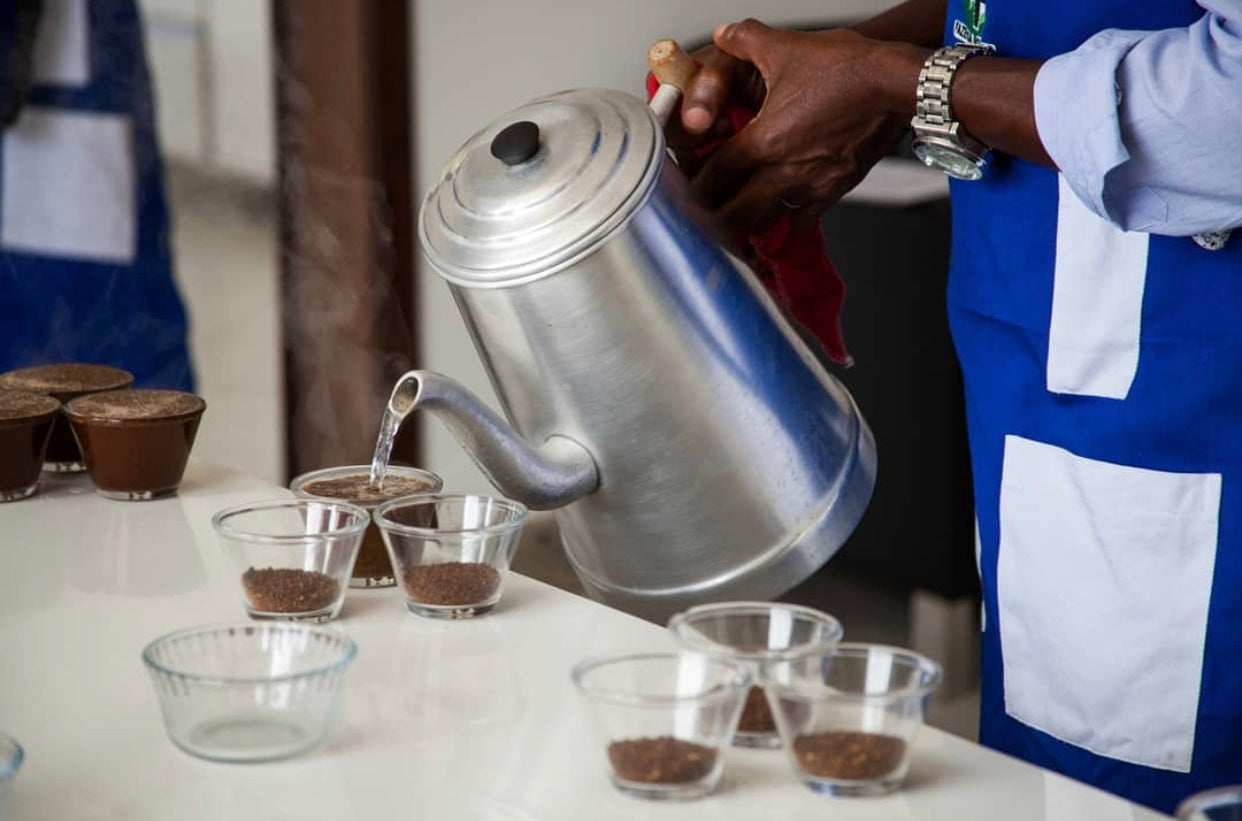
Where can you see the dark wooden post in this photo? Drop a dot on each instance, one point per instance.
(343, 104)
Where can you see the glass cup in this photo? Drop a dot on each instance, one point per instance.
(294, 555)
(136, 443)
(351, 483)
(753, 633)
(664, 719)
(451, 552)
(26, 420)
(65, 381)
(847, 716)
(249, 692)
(1221, 804)
(11, 755)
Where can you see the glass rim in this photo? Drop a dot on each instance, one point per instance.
(298, 483)
(519, 512)
(221, 526)
(700, 644)
(75, 415)
(934, 673)
(1208, 799)
(717, 692)
(12, 762)
(348, 645)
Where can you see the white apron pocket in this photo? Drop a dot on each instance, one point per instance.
(69, 186)
(1104, 574)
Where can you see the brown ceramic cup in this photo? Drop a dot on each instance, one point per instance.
(136, 442)
(26, 420)
(66, 381)
(351, 484)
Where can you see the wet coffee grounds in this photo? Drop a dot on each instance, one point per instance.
(662, 760)
(357, 488)
(756, 717)
(451, 583)
(284, 590)
(849, 756)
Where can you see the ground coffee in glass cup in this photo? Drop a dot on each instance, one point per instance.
(352, 484)
(66, 381)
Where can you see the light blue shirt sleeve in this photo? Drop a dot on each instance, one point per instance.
(1146, 126)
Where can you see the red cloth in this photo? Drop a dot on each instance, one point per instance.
(793, 265)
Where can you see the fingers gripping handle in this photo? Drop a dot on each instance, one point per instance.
(674, 69)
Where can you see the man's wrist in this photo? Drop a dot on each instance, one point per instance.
(895, 71)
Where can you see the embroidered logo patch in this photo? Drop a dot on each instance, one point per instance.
(970, 30)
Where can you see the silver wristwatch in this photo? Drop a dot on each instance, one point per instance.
(939, 140)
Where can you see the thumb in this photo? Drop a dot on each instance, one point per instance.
(748, 40)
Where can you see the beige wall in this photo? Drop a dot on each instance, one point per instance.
(476, 59)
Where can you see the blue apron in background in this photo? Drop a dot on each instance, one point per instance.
(85, 263)
(1103, 376)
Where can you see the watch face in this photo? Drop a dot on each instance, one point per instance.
(948, 159)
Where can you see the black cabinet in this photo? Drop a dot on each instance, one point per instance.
(918, 531)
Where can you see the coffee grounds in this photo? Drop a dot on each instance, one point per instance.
(451, 583)
(285, 590)
(357, 488)
(756, 717)
(134, 404)
(21, 405)
(662, 760)
(849, 756)
(67, 379)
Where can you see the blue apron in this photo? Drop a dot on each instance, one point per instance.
(1103, 376)
(85, 263)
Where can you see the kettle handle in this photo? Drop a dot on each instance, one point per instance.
(674, 69)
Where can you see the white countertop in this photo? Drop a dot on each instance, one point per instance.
(442, 720)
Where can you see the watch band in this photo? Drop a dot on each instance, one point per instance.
(932, 97)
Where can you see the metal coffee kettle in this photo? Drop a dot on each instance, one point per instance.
(692, 446)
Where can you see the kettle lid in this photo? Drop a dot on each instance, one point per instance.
(540, 188)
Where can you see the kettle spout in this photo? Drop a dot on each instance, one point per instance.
(551, 475)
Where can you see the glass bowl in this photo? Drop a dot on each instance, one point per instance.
(11, 755)
(664, 719)
(294, 555)
(249, 692)
(26, 420)
(1221, 804)
(351, 483)
(136, 443)
(847, 716)
(754, 633)
(65, 381)
(451, 552)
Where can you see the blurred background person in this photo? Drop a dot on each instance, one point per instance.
(85, 262)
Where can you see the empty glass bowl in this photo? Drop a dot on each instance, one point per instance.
(249, 692)
(451, 553)
(294, 556)
(1221, 804)
(664, 719)
(11, 756)
(847, 716)
(753, 633)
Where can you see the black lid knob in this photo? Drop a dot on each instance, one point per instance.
(516, 143)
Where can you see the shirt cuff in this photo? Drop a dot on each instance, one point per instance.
(1076, 113)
